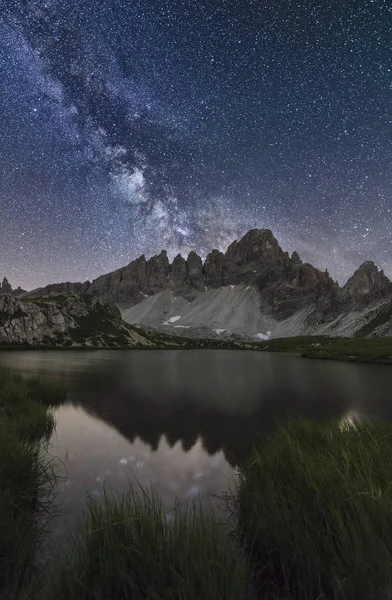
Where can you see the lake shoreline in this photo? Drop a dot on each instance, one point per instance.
(376, 351)
(350, 359)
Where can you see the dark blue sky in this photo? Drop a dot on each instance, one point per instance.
(127, 127)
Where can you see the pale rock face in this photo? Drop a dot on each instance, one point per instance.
(37, 322)
(25, 322)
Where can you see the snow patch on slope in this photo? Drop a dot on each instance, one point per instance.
(172, 320)
(263, 336)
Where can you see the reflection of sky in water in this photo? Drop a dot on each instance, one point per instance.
(98, 458)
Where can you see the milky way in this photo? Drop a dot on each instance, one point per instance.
(131, 126)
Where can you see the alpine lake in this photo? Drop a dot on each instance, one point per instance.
(180, 421)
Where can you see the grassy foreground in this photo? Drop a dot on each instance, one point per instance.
(314, 520)
(315, 512)
(25, 477)
(127, 549)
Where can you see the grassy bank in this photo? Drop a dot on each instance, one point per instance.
(315, 512)
(25, 477)
(374, 350)
(127, 548)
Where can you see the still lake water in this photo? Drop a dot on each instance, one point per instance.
(180, 421)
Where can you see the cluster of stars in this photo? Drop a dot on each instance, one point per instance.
(128, 127)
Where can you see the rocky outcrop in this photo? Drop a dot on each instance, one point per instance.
(68, 320)
(367, 285)
(288, 287)
(123, 287)
(179, 277)
(213, 268)
(6, 288)
(18, 292)
(195, 271)
(295, 259)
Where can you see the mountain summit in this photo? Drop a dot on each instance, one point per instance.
(367, 284)
(6, 288)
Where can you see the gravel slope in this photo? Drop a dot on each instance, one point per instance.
(232, 308)
(221, 312)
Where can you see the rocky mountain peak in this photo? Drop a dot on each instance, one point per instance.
(18, 291)
(5, 286)
(179, 273)
(178, 260)
(213, 268)
(368, 284)
(195, 270)
(254, 245)
(295, 258)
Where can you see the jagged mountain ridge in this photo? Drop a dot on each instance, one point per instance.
(256, 259)
(292, 297)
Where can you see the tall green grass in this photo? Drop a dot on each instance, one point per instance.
(127, 549)
(26, 477)
(315, 511)
(23, 405)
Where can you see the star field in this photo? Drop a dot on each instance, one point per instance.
(128, 127)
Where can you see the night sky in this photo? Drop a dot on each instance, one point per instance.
(128, 126)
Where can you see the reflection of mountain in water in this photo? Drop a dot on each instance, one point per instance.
(187, 418)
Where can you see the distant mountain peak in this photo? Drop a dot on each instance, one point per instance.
(368, 283)
(6, 288)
